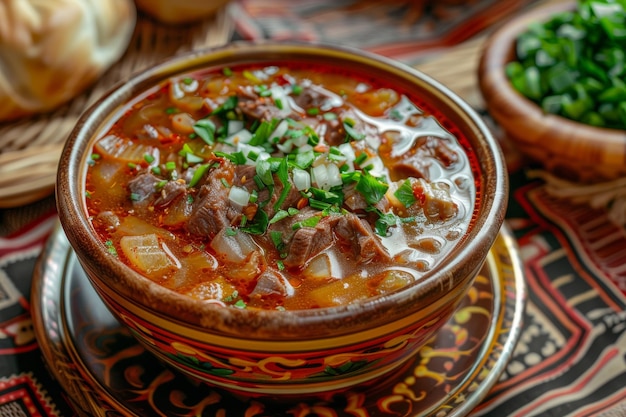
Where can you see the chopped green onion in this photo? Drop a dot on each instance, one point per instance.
(263, 170)
(110, 248)
(198, 174)
(310, 222)
(258, 225)
(277, 239)
(319, 205)
(254, 196)
(280, 214)
(283, 176)
(205, 128)
(352, 132)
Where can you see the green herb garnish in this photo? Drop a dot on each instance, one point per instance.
(574, 64)
(372, 189)
(405, 195)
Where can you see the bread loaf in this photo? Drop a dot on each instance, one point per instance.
(51, 50)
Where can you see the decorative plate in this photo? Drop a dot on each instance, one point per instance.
(105, 371)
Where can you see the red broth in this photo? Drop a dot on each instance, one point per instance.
(279, 187)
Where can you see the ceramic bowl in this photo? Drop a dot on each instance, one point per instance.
(286, 352)
(569, 149)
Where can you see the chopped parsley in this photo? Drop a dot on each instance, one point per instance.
(405, 195)
(372, 188)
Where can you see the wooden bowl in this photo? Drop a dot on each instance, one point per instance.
(566, 148)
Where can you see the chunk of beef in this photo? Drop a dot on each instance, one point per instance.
(416, 163)
(353, 199)
(435, 200)
(305, 243)
(257, 107)
(332, 131)
(291, 200)
(107, 220)
(412, 166)
(310, 98)
(211, 209)
(143, 189)
(244, 175)
(309, 241)
(362, 239)
(355, 202)
(285, 227)
(169, 193)
(272, 282)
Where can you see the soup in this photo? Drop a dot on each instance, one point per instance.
(279, 187)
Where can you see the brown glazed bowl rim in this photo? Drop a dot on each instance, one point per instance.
(206, 317)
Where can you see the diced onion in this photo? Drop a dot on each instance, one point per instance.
(176, 93)
(190, 87)
(285, 147)
(245, 149)
(334, 176)
(377, 166)
(279, 94)
(326, 176)
(348, 151)
(242, 136)
(301, 179)
(320, 176)
(280, 130)
(235, 126)
(305, 148)
(233, 247)
(239, 197)
(300, 141)
(318, 268)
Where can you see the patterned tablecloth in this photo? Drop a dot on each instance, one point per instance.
(571, 357)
